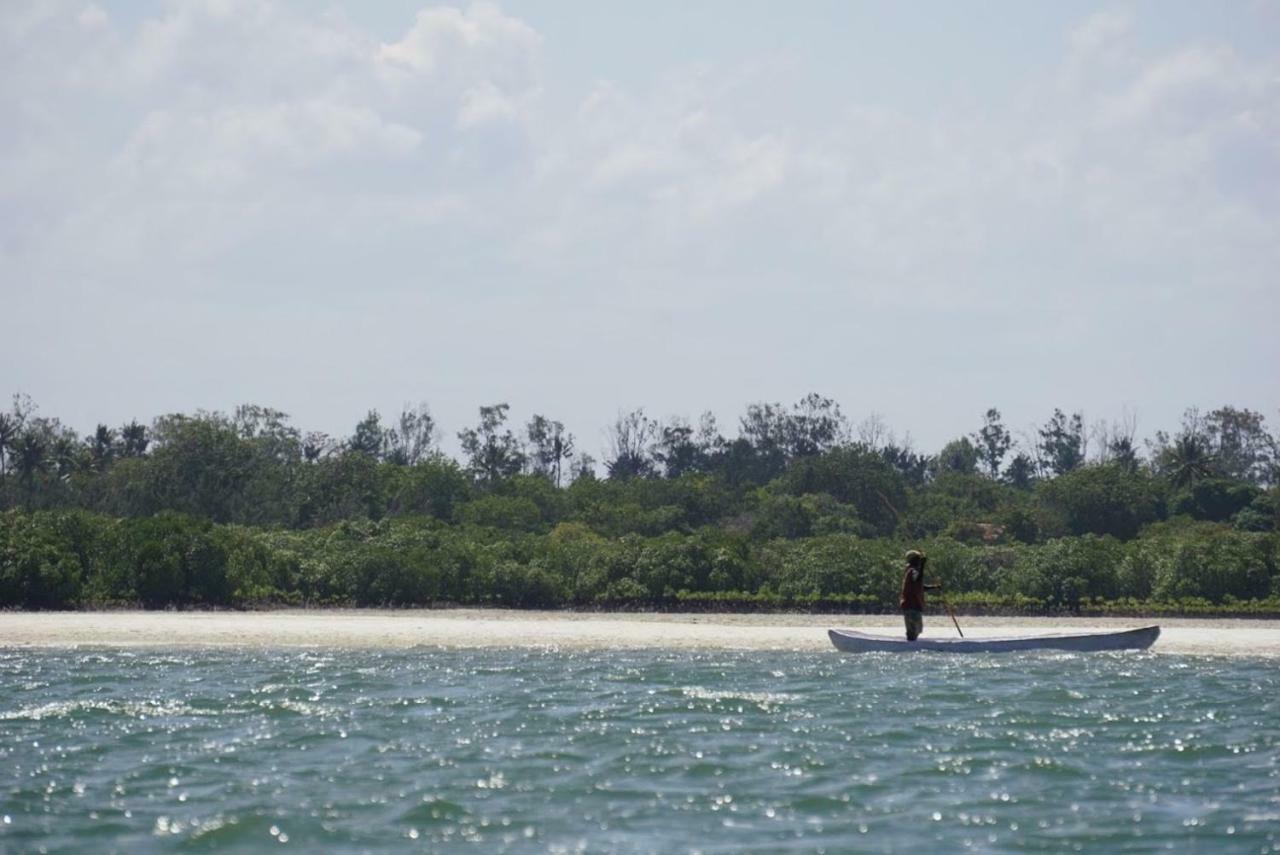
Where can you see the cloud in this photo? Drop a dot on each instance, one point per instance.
(480, 61)
(1100, 29)
(212, 104)
(236, 144)
(484, 104)
(140, 143)
(449, 42)
(92, 17)
(1134, 157)
(209, 100)
(219, 153)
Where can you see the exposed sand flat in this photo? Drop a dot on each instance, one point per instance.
(502, 628)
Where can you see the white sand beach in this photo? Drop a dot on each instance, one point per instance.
(570, 630)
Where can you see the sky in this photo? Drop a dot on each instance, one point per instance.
(920, 210)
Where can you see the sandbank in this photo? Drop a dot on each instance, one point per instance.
(573, 630)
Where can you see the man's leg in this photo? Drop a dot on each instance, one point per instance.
(915, 623)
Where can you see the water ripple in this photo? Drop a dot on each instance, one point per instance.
(634, 751)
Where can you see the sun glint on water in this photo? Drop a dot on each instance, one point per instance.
(535, 751)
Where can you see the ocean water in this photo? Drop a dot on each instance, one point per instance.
(519, 750)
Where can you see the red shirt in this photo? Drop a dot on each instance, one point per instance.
(913, 589)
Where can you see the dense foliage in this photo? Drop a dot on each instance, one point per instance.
(798, 510)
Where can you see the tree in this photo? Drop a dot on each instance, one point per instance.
(133, 440)
(550, 447)
(855, 476)
(1103, 499)
(46, 447)
(1062, 443)
(993, 442)
(369, 437)
(269, 430)
(740, 464)
(1113, 441)
(764, 426)
(1021, 472)
(874, 433)
(1187, 457)
(583, 468)
(709, 439)
(631, 441)
(23, 409)
(102, 447)
(1214, 499)
(678, 451)
(1123, 453)
(201, 465)
(1185, 461)
(914, 468)
(770, 436)
(30, 460)
(959, 455)
(814, 426)
(65, 450)
(8, 437)
(412, 438)
(1240, 445)
(11, 429)
(435, 487)
(493, 454)
(316, 445)
(341, 487)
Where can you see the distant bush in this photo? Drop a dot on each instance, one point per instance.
(508, 513)
(59, 559)
(1105, 499)
(38, 568)
(1065, 570)
(1214, 499)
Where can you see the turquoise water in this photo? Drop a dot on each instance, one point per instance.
(635, 751)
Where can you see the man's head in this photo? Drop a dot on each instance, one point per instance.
(915, 558)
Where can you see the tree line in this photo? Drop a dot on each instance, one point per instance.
(799, 508)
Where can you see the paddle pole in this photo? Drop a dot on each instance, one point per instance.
(946, 604)
(953, 615)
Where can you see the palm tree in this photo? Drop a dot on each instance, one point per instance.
(66, 453)
(1188, 460)
(30, 459)
(102, 446)
(133, 440)
(8, 433)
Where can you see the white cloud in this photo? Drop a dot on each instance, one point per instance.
(92, 17)
(1197, 83)
(458, 47)
(256, 140)
(138, 143)
(228, 147)
(208, 97)
(484, 104)
(629, 162)
(1100, 29)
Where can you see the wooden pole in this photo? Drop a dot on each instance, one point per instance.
(953, 616)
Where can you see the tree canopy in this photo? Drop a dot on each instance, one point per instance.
(207, 507)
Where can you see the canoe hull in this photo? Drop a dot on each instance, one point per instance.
(851, 641)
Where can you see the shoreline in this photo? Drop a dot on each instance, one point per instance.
(497, 628)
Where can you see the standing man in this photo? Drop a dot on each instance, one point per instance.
(913, 588)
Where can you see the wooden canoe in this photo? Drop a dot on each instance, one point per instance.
(851, 641)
